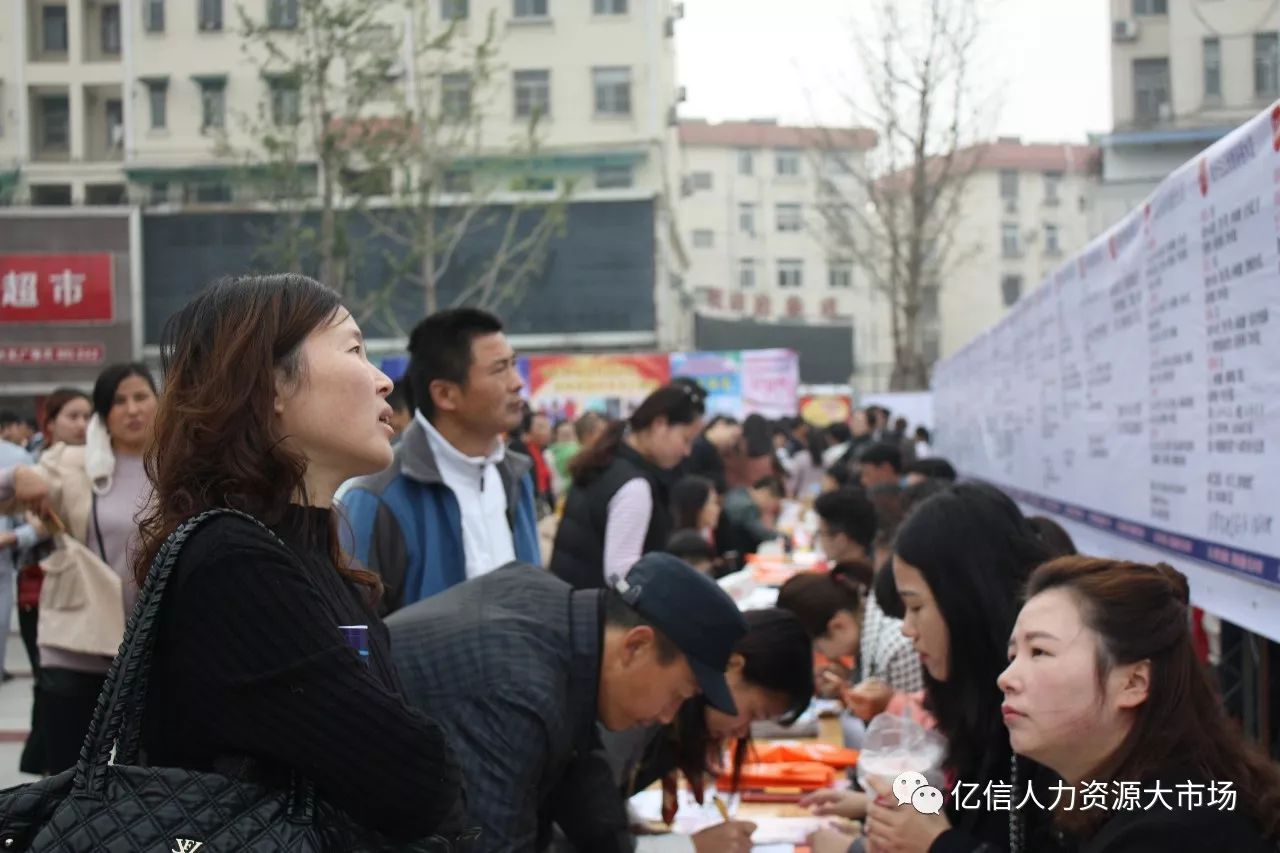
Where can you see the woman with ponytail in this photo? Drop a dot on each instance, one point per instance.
(1103, 687)
(617, 509)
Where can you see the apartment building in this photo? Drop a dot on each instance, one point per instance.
(1183, 74)
(151, 102)
(1025, 209)
(750, 223)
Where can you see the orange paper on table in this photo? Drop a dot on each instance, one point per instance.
(801, 775)
(783, 752)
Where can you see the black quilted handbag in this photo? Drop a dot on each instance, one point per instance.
(115, 806)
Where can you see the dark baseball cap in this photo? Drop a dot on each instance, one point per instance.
(694, 613)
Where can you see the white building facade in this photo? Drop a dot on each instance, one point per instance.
(1025, 209)
(751, 227)
(148, 102)
(1183, 74)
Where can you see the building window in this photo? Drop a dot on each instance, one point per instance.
(613, 91)
(702, 180)
(533, 184)
(790, 273)
(286, 107)
(1266, 65)
(455, 96)
(455, 10)
(530, 9)
(53, 29)
(704, 238)
(790, 217)
(213, 193)
(282, 14)
(1052, 183)
(929, 302)
(1052, 239)
(213, 105)
(110, 26)
(115, 124)
(210, 18)
(1150, 7)
(747, 219)
(746, 163)
(787, 162)
(840, 275)
(609, 7)
(614, 178)
(533, 94)
(55, 118)
(153, 16)
(1010, 247)
(366, 182)
(158, 99)
(835, 163)
(1212, 69)
(1011, 289)
(1009, 185)
(457, 181)
(1150, 89)
(746, 273)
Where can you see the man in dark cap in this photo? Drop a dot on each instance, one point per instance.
(518, 668)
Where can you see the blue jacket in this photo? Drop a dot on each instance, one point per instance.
(404, 523)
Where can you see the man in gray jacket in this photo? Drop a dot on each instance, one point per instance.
(518, 667)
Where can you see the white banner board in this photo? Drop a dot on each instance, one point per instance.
(1137, 391)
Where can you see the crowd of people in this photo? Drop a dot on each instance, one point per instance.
(546, 633)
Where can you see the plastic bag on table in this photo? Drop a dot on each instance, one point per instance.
(894, 745)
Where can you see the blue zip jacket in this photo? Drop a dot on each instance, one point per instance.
(404, 524)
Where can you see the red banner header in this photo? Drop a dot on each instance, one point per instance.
(74, 288)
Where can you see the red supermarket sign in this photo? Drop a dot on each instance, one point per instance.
(52, 354)
(75, 288)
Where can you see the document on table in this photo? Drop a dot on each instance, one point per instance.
(772, 835)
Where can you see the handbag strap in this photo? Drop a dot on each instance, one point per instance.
(97, 528)
(117, 719)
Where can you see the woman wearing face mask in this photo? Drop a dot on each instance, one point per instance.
(961, 559)
(66, 416)
(1103, 686)
(618, 508)
(270, 404)
(770, 676)
(95, 490)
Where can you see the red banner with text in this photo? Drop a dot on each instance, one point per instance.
(65, 288)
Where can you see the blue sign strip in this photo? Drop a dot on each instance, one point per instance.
(1258, 567)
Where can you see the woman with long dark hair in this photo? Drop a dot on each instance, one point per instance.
(270, 404)
(618, 508)
(96, 490)
(695, 505)
(1103, 686)
(961, 561)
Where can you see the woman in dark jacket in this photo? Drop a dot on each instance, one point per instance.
(270, 403)
(1104, 687)
(961, 560)
(618, 506)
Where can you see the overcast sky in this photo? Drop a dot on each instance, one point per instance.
(1047, 59)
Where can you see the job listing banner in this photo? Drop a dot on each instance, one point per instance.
(1137, 390)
